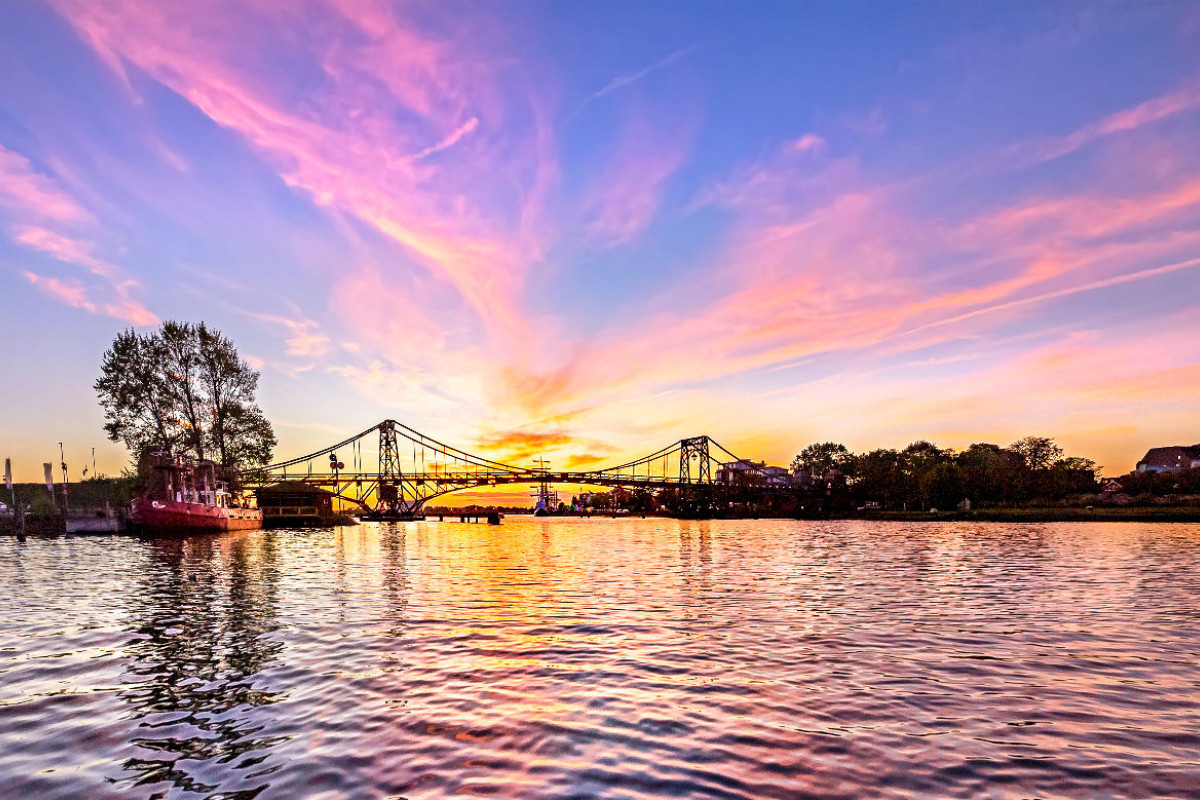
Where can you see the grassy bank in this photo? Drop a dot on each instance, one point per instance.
(1125, 514)
(116, 492)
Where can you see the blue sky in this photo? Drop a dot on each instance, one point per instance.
(592, 228)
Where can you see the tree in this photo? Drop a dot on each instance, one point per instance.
(239, 434)
(1038, 452)
(183, 389)
(941, 485)
(922, 455)
(819, 458)
(879, 478)
(990, 473)
(180, 347)
(138, 406)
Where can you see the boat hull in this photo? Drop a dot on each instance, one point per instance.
(152, 516)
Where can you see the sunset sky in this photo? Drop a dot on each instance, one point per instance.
(588, 229)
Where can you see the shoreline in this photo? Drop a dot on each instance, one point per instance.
(1126, 514)
(53, 526)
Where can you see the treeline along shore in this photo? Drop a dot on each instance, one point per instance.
(1031, 480)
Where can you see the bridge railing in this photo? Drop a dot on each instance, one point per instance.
(693, 461)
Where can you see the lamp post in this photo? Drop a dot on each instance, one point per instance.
(63, 461)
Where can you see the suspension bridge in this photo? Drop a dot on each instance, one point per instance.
(408, 468)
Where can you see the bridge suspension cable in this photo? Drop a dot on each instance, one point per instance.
(438, 468)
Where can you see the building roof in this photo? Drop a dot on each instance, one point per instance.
(291, 487)
(1174, 456)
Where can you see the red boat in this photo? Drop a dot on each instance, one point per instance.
(189, 496)
(171, 515)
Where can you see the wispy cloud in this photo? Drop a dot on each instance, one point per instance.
(937, 362)
(303, 337)
(64, 249)
(126, 308)
(1186, 98)
(47, 219)
(70, 292)
(832, 267)
(349, 145)
(808, 143)
(624, 81)
(1117, 280)
(452, 139)
(28, 193)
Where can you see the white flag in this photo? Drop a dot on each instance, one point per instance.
(8, 474)
(49, 470)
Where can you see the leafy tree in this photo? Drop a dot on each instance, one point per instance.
(924, 475)
(880, 478)
(989, 473)
(183, 389)
(1076, 464)
(139, 407)
(180, 347)
(239, 434)
(922, 455)
(1038, 452)
(1072, 476)
(821, 457)
(942, 485)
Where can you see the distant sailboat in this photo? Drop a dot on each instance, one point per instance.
(547, 498)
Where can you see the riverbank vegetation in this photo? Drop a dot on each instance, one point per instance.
(1031, 471)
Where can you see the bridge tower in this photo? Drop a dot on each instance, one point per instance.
(695, 448)
(389, 467)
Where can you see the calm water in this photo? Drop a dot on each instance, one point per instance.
(602, 658)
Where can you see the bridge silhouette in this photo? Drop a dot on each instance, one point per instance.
(411, 468)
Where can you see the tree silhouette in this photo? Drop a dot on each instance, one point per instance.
(184, 390)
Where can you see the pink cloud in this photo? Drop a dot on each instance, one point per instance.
(75, 294)
(1186, 98)
(626, 198)
(1031, 152)
(808, 143)
(861, 272)
(72, 293)
(64, 249)
(31, 194)
(41, 211)
(359, 141)
(303, 336)
(454, 138)
(127, 309)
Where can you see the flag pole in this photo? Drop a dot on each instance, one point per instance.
(8, 481)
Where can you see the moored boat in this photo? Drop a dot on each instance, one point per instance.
(187, 496)
(171, 515)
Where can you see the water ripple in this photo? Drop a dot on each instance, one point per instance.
(606, 658)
